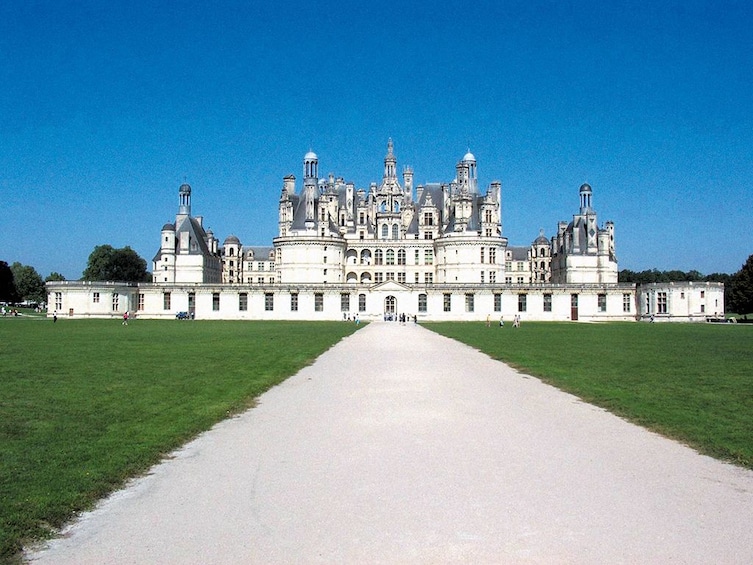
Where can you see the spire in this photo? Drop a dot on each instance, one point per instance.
(390, 161)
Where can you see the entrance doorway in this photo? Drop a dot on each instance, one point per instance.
(574, 307)
(390, 307)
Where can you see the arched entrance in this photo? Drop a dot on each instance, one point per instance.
(390, 307)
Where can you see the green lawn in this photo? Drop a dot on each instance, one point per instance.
(86, 404)
(691, 382)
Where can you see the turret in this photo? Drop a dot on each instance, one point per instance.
(184, 194)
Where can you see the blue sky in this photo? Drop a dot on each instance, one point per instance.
(107, 107)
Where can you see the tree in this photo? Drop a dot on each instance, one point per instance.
(54, 276)
(7, 284)
(109, 264)
(29, 283)
(742, 289)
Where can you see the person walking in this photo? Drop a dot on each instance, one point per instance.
(125, 318)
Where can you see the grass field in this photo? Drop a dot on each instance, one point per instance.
(691, 382)
(86, 404)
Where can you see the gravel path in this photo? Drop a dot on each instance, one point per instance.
(401, 446)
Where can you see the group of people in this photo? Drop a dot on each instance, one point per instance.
(13, 312)
(515, 321)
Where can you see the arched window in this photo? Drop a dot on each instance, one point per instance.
(401, 256)
(385, 231)
(378, 257)
(390, 257)
(395, 231)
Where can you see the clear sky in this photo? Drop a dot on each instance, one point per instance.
(107, 107)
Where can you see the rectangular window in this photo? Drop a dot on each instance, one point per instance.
(661, 302)
(429, 278)
(520, 280)
(166, 301)
(703, 294)
(482, 254)
(58, 301)
(428, 256)
(508, 265)
(141, 301)
(318, 302)
(390, 276)
(294, 302)
(191, 302)
(401, 278)
(520, 266)
(345, 302)
(378, 277)
(96, 298)
(703, 308)
(469, 302)
(497, 302)
(492, 277)
(547, 303)
(626, 303)
(422, 303)
(243, 301)
(416, 277)
(522, 302)
(508, 280)
(602, 302)
(269, 301)
(115, 301)
(362, 303)
(447, 302)
(416, 257)
(492, 255)
(216, 301)
(482, 277)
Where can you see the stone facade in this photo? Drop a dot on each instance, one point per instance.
(434, 251)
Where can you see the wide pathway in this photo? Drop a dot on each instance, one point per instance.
(401, 446)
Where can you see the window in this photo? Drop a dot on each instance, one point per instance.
(390, 257)
(492, 255)
(428, 235)
(345, 302)
(401, 257)
(390, 276)
(269, 301)
(508, 280)
(488, 216)
(95, 297)
(362, 303)
(361, 218)
(378, 257)
(482, 277)
(703, 308)
(497, 302)
(378, 277)
(401, 278)
(428, 219)
(385, 231)
(243, 301)
(703, 294)
(429, 278)
(416, 275)
(395, 231)
(508, 265)
(115, 301)
(191, 301)
(422, 303)
(626, 303)
(141, 301)
(447, 302)
(469, 302)
(522, 302)
(547, 303)
(318, 302)
(166, 301)
(215, 301)
(520, 266)
(661, 302)
(520, 280)
(294, 302)
(58, 301)
(429, 256)
(602, 302)
(492, 277)
(482, 254)
(415, 261)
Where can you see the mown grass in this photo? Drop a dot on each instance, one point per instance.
(691, 382)
(86, 404)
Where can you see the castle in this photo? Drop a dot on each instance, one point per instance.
(434, 251)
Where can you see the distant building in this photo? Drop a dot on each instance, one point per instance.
(435, 251)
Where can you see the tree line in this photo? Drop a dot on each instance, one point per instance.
(20, 283)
